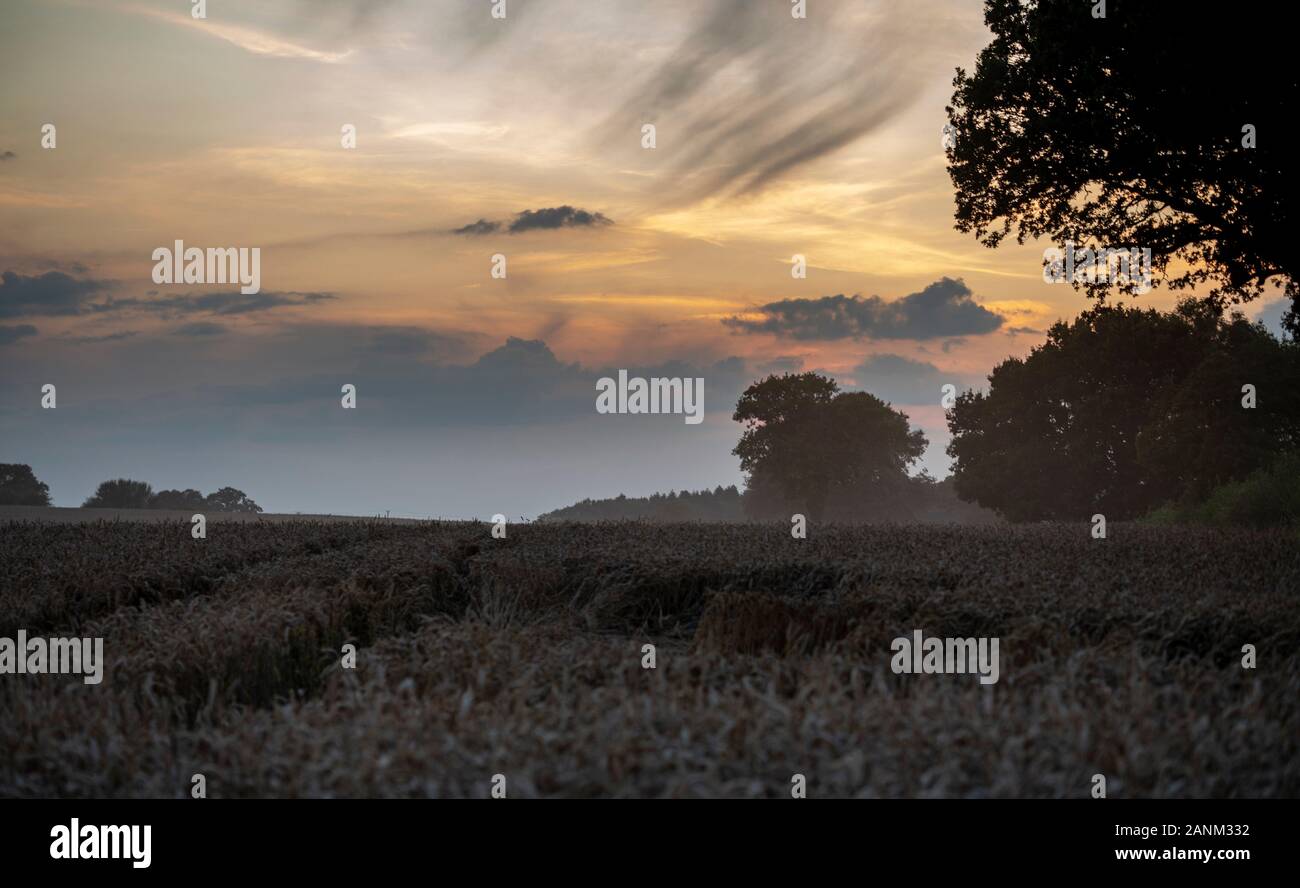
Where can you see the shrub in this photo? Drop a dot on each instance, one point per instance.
(1269, 497)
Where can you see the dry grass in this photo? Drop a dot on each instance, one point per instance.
(522, 657)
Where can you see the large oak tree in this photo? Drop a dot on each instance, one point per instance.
(1165, 124)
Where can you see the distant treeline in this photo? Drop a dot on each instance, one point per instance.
(719, 504)
(123, 493)
(920, 500)
(19, 486)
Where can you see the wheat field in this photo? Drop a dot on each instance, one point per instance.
(523, 657)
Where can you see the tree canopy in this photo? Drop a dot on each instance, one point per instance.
(1162, 125)
(19, 486)
(1122, 410)
(229, 499)
(120, 493)
(182, 500)
(806, 443)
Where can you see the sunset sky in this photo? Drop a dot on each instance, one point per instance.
(775, 136)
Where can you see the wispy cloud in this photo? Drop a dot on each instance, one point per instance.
(251, 39)
(746, 99)
(446, 131)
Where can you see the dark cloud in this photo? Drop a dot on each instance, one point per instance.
(463, 428)
(545, 219)
(943, 309)
(103, 337)
(406, 377)
(747, 96)
(10, 335)
(222, 303)
(514, 429)
(201, 328)
(902, 380)
(235, 303)
(1024, 331)
(55, 293)
(50, 294)
(482, 226)
(557, 217)
(518, 383)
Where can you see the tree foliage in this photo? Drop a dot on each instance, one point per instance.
(126, 494)
(183, 500)
(229, 499)
(807, 444)
(1128, 131)
(1124, 409)
(19, 486)
(121, 493)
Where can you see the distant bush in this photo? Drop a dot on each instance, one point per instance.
(1269, 497)
(916, 500)
(120, 493)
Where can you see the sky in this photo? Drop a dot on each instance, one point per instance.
(475, 136)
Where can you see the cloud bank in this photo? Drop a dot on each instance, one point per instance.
(943, 309)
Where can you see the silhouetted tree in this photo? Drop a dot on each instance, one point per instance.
(187, 500)
(19, 487)
(1124, 409)
(121, 493)
(1129, 131)
(805, 442)
(228, 499)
